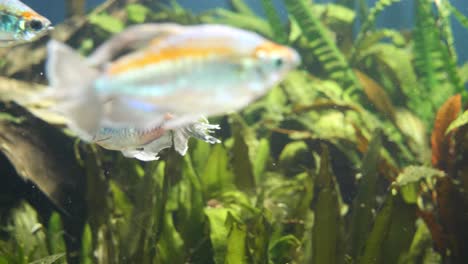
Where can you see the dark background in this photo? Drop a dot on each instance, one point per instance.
(399, 16)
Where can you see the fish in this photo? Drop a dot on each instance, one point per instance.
(145, 145)
(19, 23)
(150, 70)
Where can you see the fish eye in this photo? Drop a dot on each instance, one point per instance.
(36, 25)
(278, 62)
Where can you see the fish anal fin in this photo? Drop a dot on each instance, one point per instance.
(151, 150)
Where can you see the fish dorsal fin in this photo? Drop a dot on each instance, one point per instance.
(132, 38)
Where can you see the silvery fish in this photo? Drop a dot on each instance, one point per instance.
(19, 23)
(137, 77)
(145, 144)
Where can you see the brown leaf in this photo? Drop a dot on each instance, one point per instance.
(438, 236)
(441, 145)
(376, 95)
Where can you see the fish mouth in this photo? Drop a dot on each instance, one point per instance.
(295, 58)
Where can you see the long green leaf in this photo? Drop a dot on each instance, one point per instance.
(322, 46)
(365, 203)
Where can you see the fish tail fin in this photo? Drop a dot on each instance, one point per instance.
(71, 87)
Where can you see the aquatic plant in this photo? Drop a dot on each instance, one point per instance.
(357, 157)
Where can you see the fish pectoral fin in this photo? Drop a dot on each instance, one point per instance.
(151, 150)
(132, 38)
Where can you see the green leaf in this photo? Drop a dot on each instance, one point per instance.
(261, 158)
(295, 157)
(28, 232)
(284, 248)
(421, 250)
(170, 248)
(86, 246)
(50, 259)
(137, 13)
(218, 232)
(409, 181)
(274, 20)
(320, 44)
(364, 204)
(392, 232)
(259, 238)
(10, 118)
(252, 23)
(327, 222)
(192, 221)
(236, 248)
(107, 22)
(241, 7)
(217, 175)
(369, 23)
(462, 120)
(242, 154)
(55, 234)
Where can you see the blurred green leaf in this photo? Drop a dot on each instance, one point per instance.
(392, 232)
(236, 241)
(241, 7)
(462, 120)
(258, 240)
(409, 181)
(242, 154)
(283, 249)
(28, 232)
(107, 22)
(50, 259)
(137, 13)
(421, 250)
(218, 232)
(55, 234)
(217, 175)
(365, 203)
(171, 246)
(261, 158)
(86, 246)
(295, 157)
(326, 233)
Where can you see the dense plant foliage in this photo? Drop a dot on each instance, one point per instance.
(359, 156)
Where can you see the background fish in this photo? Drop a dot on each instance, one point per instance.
(19, 23)
(146, 144)
(189, 71)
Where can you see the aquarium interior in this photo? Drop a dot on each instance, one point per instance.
(358, 156)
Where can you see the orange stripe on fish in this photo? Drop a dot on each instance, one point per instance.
(28, 14)
(272, 48)
(167, 54)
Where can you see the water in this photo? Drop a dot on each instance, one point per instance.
(357, 156)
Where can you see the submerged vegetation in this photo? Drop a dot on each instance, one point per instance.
(357, 157)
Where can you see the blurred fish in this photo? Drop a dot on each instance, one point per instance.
(19, 23)
(188, 71)
(146, 144)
